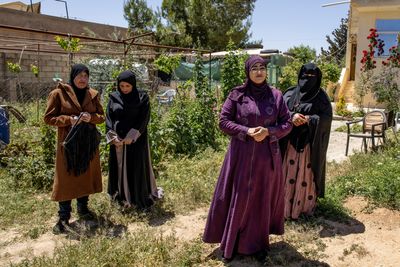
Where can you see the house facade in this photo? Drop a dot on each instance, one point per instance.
(383, 15)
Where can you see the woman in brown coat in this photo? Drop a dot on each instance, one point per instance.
(75, 177)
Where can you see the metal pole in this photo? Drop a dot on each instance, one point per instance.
(209, 70)
(101, 39)
(66, 9)
(337, 3)
(125, 53)
(66, 6)
(39, 86)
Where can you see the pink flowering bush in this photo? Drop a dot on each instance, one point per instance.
(368, 60)
(394, 57)
(383, 84)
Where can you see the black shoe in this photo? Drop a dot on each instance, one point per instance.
(261, 255)
(86, 215)
(227, 260)
(61, 227)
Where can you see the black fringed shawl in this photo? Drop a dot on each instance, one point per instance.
(80, 146)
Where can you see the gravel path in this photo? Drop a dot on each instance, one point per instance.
(337, 143)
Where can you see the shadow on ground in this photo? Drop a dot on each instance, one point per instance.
(99, 226)
(334, 228)
(329, 226)
(156, 215)
(279, 254)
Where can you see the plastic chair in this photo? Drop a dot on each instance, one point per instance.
(374, 124)
(167, 97)
(396, 125)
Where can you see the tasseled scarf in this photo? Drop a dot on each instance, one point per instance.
(80, 146)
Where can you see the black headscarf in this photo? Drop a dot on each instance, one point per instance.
(131, 98)
(128, 110)
(307, 86)
(75, 70)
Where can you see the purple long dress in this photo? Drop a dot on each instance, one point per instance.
(248, 202)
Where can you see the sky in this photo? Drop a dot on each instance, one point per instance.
(280, 24)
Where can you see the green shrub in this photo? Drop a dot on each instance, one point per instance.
(167, 63)
(289, 75)
(330, 73)
(158, 135)
(201, 85)
(48, 143)
(232, 73)
(341, 108)
(27, 168)
(374, 176)
(191, 126)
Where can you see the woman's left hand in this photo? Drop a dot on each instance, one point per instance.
(260, 135)
(86, 117)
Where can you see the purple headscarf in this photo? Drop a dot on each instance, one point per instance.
(250, 62)
(258, 91)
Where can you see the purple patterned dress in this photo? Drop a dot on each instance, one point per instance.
(248, 202)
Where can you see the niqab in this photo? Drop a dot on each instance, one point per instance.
(308, 85)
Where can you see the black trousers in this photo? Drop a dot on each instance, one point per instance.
(64, 211)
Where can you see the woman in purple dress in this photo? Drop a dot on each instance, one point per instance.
(248, 202)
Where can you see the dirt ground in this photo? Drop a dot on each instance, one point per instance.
(371, 239)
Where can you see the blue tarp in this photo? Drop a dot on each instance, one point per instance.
(4, 127)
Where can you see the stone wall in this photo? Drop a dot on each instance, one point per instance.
(51, 65)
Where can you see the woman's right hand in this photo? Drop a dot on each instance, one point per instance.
(299, 119)
(253, 131)
(258, 133)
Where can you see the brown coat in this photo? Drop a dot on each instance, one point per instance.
(61, 105)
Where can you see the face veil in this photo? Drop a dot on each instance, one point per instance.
(308, 85)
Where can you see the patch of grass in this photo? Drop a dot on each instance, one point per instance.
(35, 231)
(303, 237)
(331, 207)
(25, 182)
(24, 209)
(144, 247)
(354, 128)
(359, 250)
(189, 182)
(375, 176)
